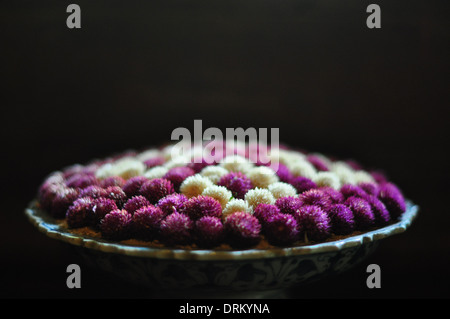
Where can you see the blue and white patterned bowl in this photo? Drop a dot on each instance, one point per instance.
(222, 271)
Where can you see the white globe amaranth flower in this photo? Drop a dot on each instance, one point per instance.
(303, 168)
(195, 185)
(328, 179)
(236, 205)
(257, 196)
(104, 171)
(156, 172)
(126, 168)
(344, 172)
(236, 163)
(214, 173)
(281, 189)
(220, 193)
(148, 154)
(363, 177)
(177, 162)
(262, 176)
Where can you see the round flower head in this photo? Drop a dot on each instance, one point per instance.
(283, 173)
(194, 185)
(134, 203)
(303, 168)
(72, 170)
(47, 193)
(199, 206)
(382, 216)
(315, 197)
(327, 179)
(313, 223)
(101, 207)
(335, 196)
(156, 189)
(117, 194)
(214, 173)
(176, 229)
(93, 191)
(341, 218)
(362, 212)
(156, 172)
(317, 162)
(112, 181)
(208, 231)
(236, 205)
(81, 180)
(281, 229)
(392, 198)
(281, 189)
(147, 221)
(62, 201)
(220, 193)
(198, 165)
(81, 213)
(172, 203)
(154, 161)
(302, 184)
(257, 196)
(236, 163)
(177, 175)
(133, 185)
(242, 229)
(238, 183)
(264, 211)
(349, 190)
(369, 188)
(262, 176)
(289, 204)
(116, 225)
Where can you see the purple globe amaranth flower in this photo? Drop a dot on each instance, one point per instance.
(313, 223)
(176, 228)
(81, 213)
(172, 203)
(382, 216)
(116, 225)
(263, 211)
(112, 181)
(317, 162)
(349, 190)
(147, 221)
(154, 161)
(134, 203)
(177, 175)
(117, 194)
(101, 207)
(281, 229)
(237, 182)
(81, 180)
(341, 219)
(335, 196)
(242, 230)
(157, 188)
(362, 212)
(208, 231)
(93, 191)
(315, 197)
(199, 206)
(379, 176)
(288, 204)
(47, 193)
(302, 184)
(369, 188)
(133, 185)
(392, 198)
(283, 173)
(198, 164)
(62, 201)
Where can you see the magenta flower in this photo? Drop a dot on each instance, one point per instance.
(176, 228)
(349, 190)
(317, 162)
(281, 229)
(288, 205)
(198, 165)
(283, 173)
(101, 207)
(335, 196)
(172, 203)
(199, 206)
(81, 213)
(47, 193)
(156, 189)
(134, 203)
(238, 183)
(382, 216)
(81, 180)
(147, 221)
(341, 219)
(313, 223)
(93, 191)
(116, 225)
(62, 201)
(302, 184)
(177, 175)
(154, 161)
(209, 231)
(392, 198)
(263, 211)
(369, 188)
(243, 230)
(116, 194)
(133, 185)
(362, 212)
(113, 181)
(315, 197)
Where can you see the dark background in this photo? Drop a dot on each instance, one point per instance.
(137, 70)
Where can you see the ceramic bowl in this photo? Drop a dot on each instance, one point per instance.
(222, 271)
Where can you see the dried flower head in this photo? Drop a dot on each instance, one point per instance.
(194, 185)
(62, 201)
(101, 207)
(80, 213)
(112, 181)
(134, 203)
(117, 194)
(176, 229)
(341, 219)
(177, 175)
(281, 229)
(133, 185)
(257, 196)
(288, 205)
(214, 173)
(238, 183)
(392, 198)
(313, 223)
(220, 193)
(302, 184)
(81, 180)
(262, 176)
(172, 203)
(199, 206)
(157, 188)
(208, 231)
(316, 197)
(116, 225)
(242, 229)
(281, 189)
(264, 211)
(362, 212)
(147, 221)
(236, 205)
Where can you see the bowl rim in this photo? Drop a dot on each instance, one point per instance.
(46, 224)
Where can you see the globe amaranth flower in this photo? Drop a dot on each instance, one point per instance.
(242, 229)
(147, 221)
(283, 173)
(93, 191)
(154, 161)
(47, 193)
(81, 213)
(264, 211)
(262, 176)
(317, 162)
(341, 219)
(392, 198)
(281, 229)
(208, 231)
(156, 189)
(116, 225)
(198, 164)
(349, 190)
(281, 189)
(335, 196)
(101, 207)
(327, 179)
(236, 205)
(237, 182)
(194, 185)
(62, 201)
(177, 175)
(133, 185)
(81, 180)
(134, 203)
(176, 228)
(257, 196)
(220, 193)
(369, 188)
(362, 212)
(302, 184)
(315, 197)
(172, 203)
(313, 223)
(116, 194)
(199, 206)
(112, 181)
(382, 216)
(288, 205)
(214, 173)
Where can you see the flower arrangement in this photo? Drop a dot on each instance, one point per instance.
(155, 197)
